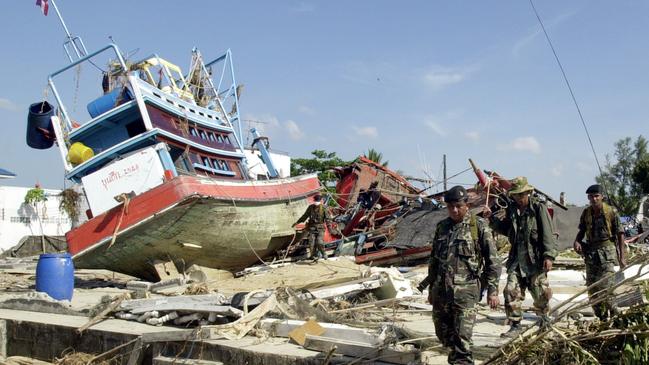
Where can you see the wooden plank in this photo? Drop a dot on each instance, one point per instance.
(213, 299)
(422, 306)
(100, 317)
(310, 327)
(190, 307)
(332, 291)
(359, 349)
(282, 327)
(164, 360)
(136, 353)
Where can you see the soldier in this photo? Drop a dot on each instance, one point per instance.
(318, 216)
(600, 224)
(462, 249)
(528, 226)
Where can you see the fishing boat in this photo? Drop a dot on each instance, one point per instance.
(163, 168)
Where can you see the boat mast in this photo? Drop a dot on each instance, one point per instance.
(72, 43)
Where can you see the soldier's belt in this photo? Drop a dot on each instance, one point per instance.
(597, 245)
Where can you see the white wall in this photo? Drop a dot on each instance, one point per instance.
(18, 219)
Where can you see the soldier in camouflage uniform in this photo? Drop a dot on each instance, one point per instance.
(527, 224)
(462, 249)
(318, 216)
(600, 224)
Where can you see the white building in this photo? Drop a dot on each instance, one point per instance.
(18, 219)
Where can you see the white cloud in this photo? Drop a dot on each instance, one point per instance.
(557, 170)
(7, 104)
(370, 132)
(293, 130)
(472, 135)
(306, 110)
(524, 144)
(439, 77)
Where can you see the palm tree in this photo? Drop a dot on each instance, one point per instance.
(376, 156)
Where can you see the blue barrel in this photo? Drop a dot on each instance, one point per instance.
(40, 132)
(108, 101)
(55, 275)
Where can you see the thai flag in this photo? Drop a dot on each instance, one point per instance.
(44, 6)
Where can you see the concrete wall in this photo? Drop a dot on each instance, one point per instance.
(18, 219)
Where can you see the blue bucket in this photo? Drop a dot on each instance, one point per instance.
(55, 275)
(108, 101)
(40, 132)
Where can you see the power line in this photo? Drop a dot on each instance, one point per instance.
(572, 94)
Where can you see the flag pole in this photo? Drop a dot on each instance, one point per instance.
(70, 39)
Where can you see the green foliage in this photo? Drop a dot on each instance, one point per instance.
(35, 196)
(376, 156)
(641, 174)
(70, 203)
(322, 162)
(623, 178)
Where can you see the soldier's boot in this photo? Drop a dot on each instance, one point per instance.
(544, 321)
(514, 330)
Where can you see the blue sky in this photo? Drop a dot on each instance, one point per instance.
(414, 80)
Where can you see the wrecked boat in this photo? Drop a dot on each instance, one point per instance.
(164, 171)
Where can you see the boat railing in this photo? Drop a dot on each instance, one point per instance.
(50, 80)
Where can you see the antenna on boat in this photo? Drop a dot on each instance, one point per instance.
(73, 45)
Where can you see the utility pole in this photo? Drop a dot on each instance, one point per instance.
(444, 170)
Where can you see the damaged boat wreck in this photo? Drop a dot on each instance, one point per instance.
(165, 174)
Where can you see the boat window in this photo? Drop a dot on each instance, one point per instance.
(219, 138)
(203, 135)
(227, 140)
(211, 136)
(217, 164)
(225, 165)
(206, 162)
(193, 132)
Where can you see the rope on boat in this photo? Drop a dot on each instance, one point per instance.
(125, 199)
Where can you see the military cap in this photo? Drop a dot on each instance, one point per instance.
(595, 189)
(455, 194)
(520, 185)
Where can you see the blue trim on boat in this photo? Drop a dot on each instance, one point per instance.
(128, 145)
(209, 169)
(111, 153)
(88, 126)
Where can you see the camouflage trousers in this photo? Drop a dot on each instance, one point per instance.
(599, 263)
(454, 315)
(514, 294)
(316, 243)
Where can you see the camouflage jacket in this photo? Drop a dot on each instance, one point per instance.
(531, 235)
(459, 259)
(317, 215)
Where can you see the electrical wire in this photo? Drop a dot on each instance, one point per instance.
(572, 94)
